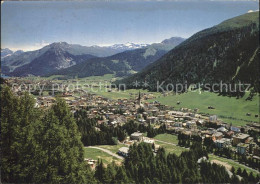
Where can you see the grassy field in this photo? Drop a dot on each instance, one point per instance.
(171, 148)
(167, 138)
(96, 85)
(230, 110)
(232, 163)
(98, 154)
(112, 148)
(177, 150)
(107, 77)
(127, 94)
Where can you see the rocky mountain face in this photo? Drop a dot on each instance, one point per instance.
(122, 64)
(53, 58)
(12, 60)
(228, 52)
(6, 52)
(128, 46)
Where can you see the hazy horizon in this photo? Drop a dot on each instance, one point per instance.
(31, 25)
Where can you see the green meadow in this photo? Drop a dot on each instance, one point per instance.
(169, 148)
(99, 87)
(99, 154)
(232, 163)
(229, 109)
(112, 148)
(167, 138)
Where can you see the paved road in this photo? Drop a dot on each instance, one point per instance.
(122, 158)
(107, 151)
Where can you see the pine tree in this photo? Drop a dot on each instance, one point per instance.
(233, 170)
(110, 174)
(251, 178)
(74, 147)
(100, 171)
(244, 174)
(235, 179)
(61, 148)
(121, 176)
(30, 118)
(10, 134)
(18, 146)
(239, 171)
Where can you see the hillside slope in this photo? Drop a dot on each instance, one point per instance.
(11, 61)
(52, 60)
(122, 64)
(228, 52)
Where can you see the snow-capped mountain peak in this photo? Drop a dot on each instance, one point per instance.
(128, 46)
(7, 52)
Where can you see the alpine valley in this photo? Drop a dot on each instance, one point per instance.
(133, 112)
(76, 60)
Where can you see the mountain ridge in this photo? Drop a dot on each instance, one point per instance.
(66, 55)
(13, 60)
(227, 52)
(121, 64)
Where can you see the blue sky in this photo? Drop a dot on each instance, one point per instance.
(32, 25)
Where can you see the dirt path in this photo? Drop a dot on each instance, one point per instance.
(222, 163)
(165, 142)
(236, 162)
(107, 151)
(214, 155)
(169, 143)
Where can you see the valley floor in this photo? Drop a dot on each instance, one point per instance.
(170, 144)
(228, 109)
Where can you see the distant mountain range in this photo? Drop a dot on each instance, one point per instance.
(121, 64)
(228, 52)
(54, 58)
(7, 52)
(12, 60)
(127, 46)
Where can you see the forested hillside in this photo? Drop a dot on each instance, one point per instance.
(45, 147)
(122, 64)
(228, 52)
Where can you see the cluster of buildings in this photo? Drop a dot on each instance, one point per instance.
(137, 137)
(187, 121)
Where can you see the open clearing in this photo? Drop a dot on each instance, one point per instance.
(233, 163)
(229, 109)
(169, 142)
(99, 154)
(222, 163)
(167, 138)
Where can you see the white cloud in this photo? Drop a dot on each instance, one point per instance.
(251, 11)
(41, 44)
(35, 46)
